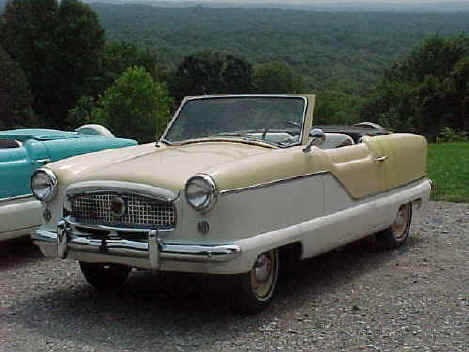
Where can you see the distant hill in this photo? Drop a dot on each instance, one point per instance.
(332, 50)
(337, 5)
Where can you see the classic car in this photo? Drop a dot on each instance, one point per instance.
(24, 150)
(234, 183)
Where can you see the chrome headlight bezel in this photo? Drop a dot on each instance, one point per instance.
(201, 192)
(49, 184)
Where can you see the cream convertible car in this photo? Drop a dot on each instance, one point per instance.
(234, 182)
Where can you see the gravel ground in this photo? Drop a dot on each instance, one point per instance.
(415, 298)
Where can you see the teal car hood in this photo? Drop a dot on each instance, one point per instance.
(39, 146)
(37, 133)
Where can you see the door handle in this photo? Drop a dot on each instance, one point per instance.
(42, 161)
(381, 158)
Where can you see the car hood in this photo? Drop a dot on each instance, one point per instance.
(38, 133)
(167, 166)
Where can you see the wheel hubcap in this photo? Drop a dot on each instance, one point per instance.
(399, 227)
(262, 275)
(262, 268)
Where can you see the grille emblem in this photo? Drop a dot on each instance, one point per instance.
(117, 206)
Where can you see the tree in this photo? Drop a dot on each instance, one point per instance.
(15, 96)
(119, 55)
(275, 77)
(81, 113)
(336, 108)
(134, 106)
(457, 88)
(58, 46)
(211, 72)
(425, 91)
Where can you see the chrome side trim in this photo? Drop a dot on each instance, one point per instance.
(295, 178)
(23, 196)
(271, 183)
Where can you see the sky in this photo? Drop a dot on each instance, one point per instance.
(313, 2)
(394, 5)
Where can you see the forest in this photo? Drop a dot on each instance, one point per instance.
(397, 69)
(331, 50)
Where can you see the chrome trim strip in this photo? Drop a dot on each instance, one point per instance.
(23, 196)
(294, 178)
(255, 142)
(209, 252)
(73, 223)
(271, 183)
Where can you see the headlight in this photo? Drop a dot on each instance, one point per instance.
(201, 192)
(44, 184)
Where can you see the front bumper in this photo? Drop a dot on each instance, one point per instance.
(152, 254)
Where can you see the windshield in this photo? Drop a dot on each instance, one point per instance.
(276, 120)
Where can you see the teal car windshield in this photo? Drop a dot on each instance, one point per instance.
(276, 120)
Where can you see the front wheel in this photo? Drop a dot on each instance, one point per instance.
(105, 276)
(395, 235)
(256, 288)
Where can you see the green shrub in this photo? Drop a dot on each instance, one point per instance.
(135, 106)
(449, 135)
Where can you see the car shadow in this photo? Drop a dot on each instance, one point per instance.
(157, 309)
(17, 252)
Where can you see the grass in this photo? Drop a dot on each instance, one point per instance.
(448, 167)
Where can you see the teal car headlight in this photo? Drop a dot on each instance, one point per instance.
(44, 184)
(201, 192)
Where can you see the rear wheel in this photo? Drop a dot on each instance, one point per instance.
(105, 276)
(395, 235)
(256, 288)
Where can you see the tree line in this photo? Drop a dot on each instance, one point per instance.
(427, 91)
(58, 70)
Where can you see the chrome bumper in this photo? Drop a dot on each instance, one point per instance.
(148, 255)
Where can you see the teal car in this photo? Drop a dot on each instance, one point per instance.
(24, 150)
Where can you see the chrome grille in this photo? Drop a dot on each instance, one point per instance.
(141, 211)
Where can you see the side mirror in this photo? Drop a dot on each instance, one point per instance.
(318, 137)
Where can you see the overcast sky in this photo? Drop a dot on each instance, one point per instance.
(437, 5)
(312, 2)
